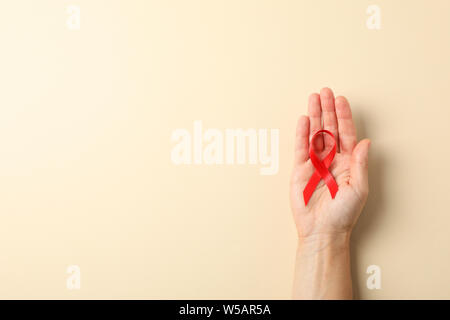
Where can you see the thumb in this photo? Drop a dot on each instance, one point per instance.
(359, 176)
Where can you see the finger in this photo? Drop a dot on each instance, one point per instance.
(302, 140)
(329, 117)
(346, 127)
(359, 177)
(315, 114)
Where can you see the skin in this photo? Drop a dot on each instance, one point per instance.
(324, 226)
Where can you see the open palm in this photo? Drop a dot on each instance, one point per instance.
(322, 214)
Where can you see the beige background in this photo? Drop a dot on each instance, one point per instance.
(86, 118)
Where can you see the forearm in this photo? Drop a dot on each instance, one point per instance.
(322, 268)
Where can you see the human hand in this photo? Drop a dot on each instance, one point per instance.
(324, 215)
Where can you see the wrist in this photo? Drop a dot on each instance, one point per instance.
(320, 242)
(323, 267)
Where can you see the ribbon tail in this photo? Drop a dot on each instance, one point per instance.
(310, 187)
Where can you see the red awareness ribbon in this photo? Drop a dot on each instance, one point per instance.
(321, 171)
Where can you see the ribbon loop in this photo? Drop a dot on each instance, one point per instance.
(321, 169)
